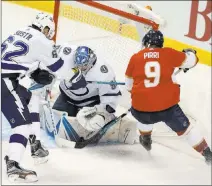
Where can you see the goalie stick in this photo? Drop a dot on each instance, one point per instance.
(95, 139)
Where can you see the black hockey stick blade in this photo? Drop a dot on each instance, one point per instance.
(95, 139)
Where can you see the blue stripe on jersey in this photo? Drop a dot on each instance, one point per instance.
(7, 66)
(18, 138)
(56, 66)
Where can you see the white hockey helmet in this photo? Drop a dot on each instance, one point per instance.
(43, 21)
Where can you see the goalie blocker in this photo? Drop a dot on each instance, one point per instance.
(68, 128)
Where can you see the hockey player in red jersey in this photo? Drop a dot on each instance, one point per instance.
(155, 94)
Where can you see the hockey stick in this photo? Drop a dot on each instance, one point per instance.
(123, 83)
(95, 139)
(35, 87)
(107, 83)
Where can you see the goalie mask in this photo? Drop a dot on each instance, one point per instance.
(153, 38)
(84, 58)
(46, 24)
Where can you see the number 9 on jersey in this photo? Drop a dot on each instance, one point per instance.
(152, 70)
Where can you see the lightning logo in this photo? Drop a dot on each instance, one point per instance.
(19, 104)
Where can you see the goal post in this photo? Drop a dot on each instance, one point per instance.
(121, 13)
(56, 16)
(111, 10)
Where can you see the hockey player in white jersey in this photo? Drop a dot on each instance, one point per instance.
(27, 52)
(93, 106)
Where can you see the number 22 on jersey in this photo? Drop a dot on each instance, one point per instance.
(8, 52)
(152, 70)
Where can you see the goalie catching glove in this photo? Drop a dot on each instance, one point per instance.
(89, 112)
(94, 118)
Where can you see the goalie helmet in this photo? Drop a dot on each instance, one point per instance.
(43, 21)
(84, 58)
(153, 37)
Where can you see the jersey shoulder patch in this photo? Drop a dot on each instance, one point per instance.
(104, 69)
(67, 50)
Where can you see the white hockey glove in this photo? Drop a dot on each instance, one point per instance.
(89, 112)
(187, 50)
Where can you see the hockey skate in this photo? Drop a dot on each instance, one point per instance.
(207, 155)
(146, 141)
(38, 152)
(16, 174)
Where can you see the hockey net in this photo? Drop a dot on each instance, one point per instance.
(108, 27)
(111, 35)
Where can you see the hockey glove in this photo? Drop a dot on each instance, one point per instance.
(42, 77)
(89, 112)
(184, 70)
(189, 50)
(185, 51)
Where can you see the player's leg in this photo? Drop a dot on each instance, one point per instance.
(62, 104)
(178, 122)
(145, 126)
(38, 152)
(14, 107)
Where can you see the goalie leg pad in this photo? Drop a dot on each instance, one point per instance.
(127, 131)
(124, 131)
(71, 130)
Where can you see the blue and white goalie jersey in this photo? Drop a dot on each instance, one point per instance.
(92, 94)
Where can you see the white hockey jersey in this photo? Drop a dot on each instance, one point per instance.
(26, 50)
(92, 94)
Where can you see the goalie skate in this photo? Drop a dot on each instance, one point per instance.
(16, 174)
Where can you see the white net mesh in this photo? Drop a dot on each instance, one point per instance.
(84, 25)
